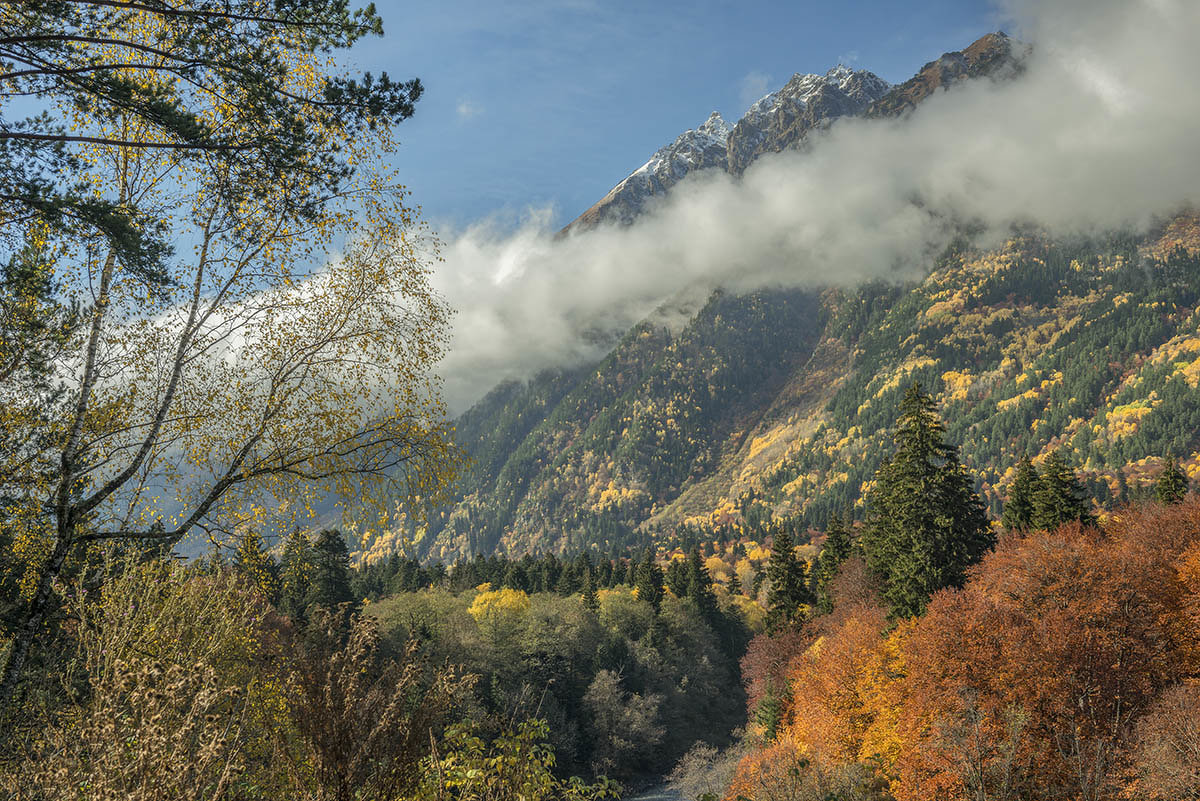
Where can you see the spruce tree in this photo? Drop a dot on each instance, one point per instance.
(926, 524)
(1060, 497)
(296, 569)
(699, 584)
(591, 599)
(835, 551)
(1172, 485)
(787, 586)
(330, 585)
(676, 577)
(650, 581)
(252, 561)
(1018, 506)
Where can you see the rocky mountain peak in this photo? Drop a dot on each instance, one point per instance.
(783, 120)
(992, 55)
(715, 125)
(695, 149)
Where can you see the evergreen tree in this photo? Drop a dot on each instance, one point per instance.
(835, 551)
(1172, 485)
(1060, 497)
(1122, 487)
(787, 588)
(591, 600)
(604, 573)
(569, 582)
(699, 584)
(252, 561)
(926, 524)
(296, 569)
(1018, 506)
(650, 581)
(676, 577)
(515, 577)
(330, 585)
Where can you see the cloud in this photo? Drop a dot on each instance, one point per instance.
(1098, 133)
(467, 110)
(754, 86)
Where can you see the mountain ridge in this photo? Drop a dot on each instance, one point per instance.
(771, 410)
(783, 119)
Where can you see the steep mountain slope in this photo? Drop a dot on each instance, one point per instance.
(993, 55)
(772, 410)
(637, 429)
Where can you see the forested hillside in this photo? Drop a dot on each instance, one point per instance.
(773, 408)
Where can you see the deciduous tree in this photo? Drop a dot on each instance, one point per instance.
(257, 375)
(144, 75)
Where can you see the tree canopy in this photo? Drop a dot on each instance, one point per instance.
(255, 375)
(201, 80)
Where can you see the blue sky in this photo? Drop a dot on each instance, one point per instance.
(548, 103)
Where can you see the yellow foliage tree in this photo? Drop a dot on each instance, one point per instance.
(259, 375)
(499, 610)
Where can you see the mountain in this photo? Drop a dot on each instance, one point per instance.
(993, 55)
(698, 149)
(783, 119)
(773, 409)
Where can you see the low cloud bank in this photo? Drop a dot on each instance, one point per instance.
(1099, 132)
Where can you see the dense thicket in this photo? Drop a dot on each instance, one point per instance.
(1062, 669)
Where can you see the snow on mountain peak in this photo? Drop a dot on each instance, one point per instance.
(715, 125)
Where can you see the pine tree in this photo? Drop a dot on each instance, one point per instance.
(1018, 506)
(515, 577)
(252, 561)
(1172, 485)
(330, 585)
(1060, 497)
(787, 589)
(650, 581)
(926, 524)
(835, 551)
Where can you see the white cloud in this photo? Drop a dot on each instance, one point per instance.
(467, 110)
(1098, 133)
(754, 86)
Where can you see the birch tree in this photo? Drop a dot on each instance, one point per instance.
(283, 356)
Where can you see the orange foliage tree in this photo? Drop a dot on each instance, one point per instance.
(1026, 682)
(1067, 668)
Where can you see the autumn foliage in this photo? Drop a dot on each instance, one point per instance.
(1067, 667)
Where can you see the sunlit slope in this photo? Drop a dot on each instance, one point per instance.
(776, 405)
